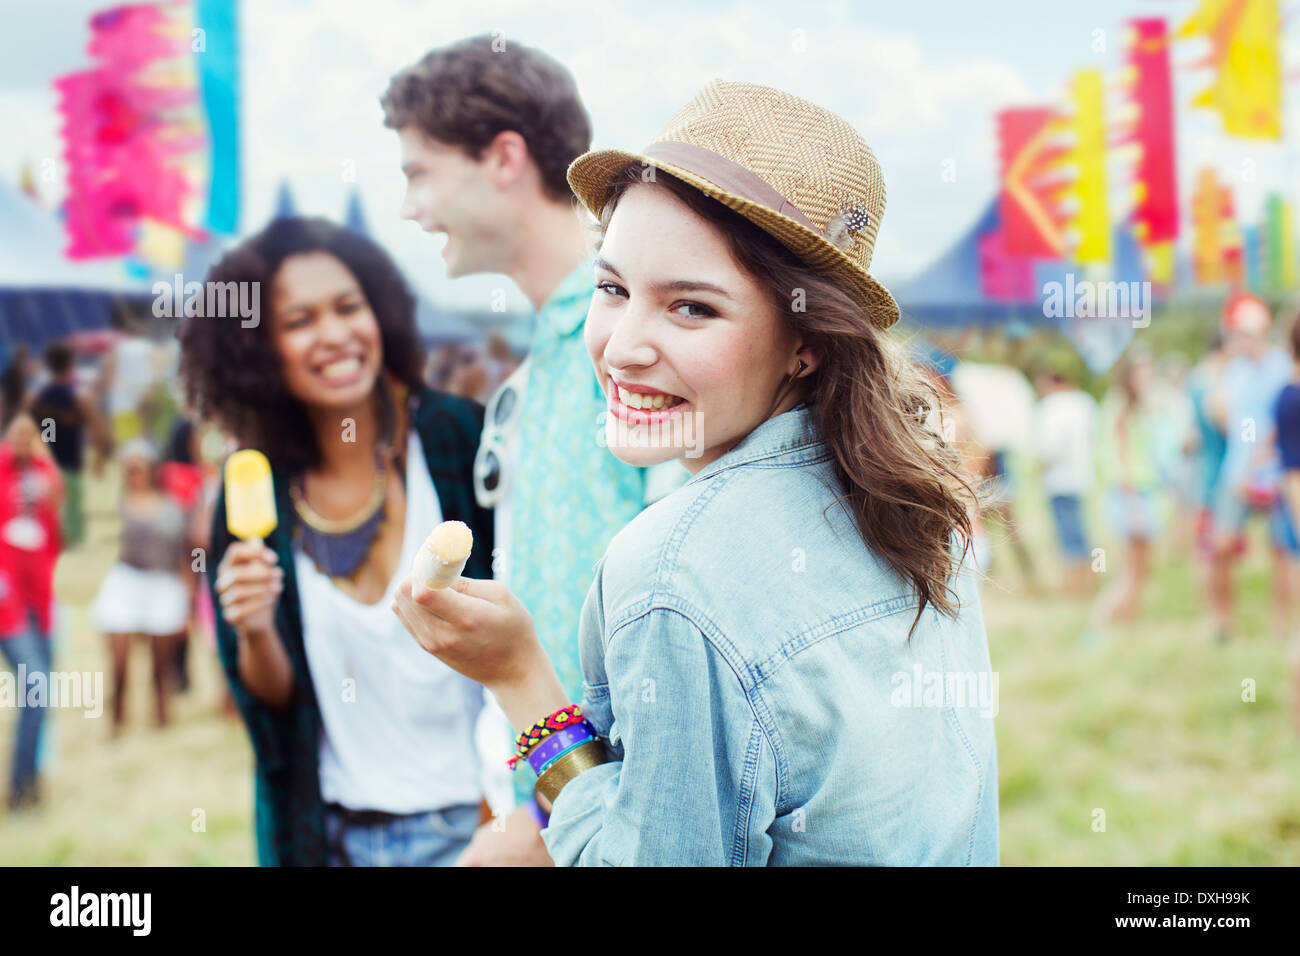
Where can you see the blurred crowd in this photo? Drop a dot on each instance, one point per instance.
(470, 371)
(1192, 454)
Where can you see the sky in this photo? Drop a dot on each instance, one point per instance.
(920, 81)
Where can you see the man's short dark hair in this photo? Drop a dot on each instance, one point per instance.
(465, 93)
(58, 357)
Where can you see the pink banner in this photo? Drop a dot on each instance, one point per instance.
(1003, 276)
(1148, 56)
(130, 130)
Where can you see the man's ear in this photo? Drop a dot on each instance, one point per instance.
(508, 154)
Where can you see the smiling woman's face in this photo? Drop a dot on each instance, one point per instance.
(326, 334)
(688, 348)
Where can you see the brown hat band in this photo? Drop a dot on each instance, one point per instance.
(727, 175)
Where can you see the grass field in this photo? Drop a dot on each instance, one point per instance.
(1147, 725)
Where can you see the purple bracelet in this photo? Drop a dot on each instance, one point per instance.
(558, 741)
(543, 819)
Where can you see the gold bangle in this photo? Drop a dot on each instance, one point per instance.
(552, 781)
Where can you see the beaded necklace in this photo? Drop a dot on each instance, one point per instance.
(339, 548)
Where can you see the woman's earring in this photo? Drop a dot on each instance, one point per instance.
(797, 372)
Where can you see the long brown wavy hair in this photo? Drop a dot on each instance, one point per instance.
(905, 484)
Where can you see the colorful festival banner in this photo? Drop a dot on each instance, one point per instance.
(1231, 240)
(1253, 251)
(1084, 193)
(1278, 242)
(219, 84)
(145, 172)
(1029, 203)
(1245, 54)
(1148, 85)
(1207, 231)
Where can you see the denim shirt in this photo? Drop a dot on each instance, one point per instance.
(746, 657)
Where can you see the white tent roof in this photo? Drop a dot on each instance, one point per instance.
(31, 252)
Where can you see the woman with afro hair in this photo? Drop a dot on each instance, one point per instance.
(364, 744)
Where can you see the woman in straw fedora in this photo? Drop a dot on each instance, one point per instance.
(785, 660)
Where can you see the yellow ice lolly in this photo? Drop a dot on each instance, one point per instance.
(250, 495)
(442, 557)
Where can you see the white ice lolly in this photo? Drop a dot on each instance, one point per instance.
(442, 557)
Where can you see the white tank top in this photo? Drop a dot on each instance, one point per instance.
(397, 723)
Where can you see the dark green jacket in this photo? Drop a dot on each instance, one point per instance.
(290, 818)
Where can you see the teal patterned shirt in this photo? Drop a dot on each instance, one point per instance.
(571, 495)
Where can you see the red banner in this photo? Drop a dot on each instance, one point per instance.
(1156, 212)
(1028, 203)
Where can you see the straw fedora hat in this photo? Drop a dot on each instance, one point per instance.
(797, 171)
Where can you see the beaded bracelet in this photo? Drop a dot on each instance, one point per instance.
(562, 718)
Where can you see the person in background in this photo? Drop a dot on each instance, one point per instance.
(1064, 425)
(487, 131)
(1244, 405)
(181, 478)
(13, 385)
(949, 418)
(74, 420)
(1203, 382)
(468, 377)
(1287, 420)
(31, 493)
(1001, 506)
(148, 591)
(500, 361)
(162, 403)
(457, 370)
(1174, 437)
(126, 374)
(212, 447)
(1129, 483)
(438, 365)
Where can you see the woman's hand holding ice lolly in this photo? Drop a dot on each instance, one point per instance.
(477, 627)
(249, 581)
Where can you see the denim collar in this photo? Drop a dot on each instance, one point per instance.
(564, 311)
(792, 435)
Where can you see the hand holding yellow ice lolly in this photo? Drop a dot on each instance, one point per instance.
(250, 495)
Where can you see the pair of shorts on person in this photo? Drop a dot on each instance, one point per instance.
(134, 601)
(1133, 513)
(1230, 512)
(1067, 512)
